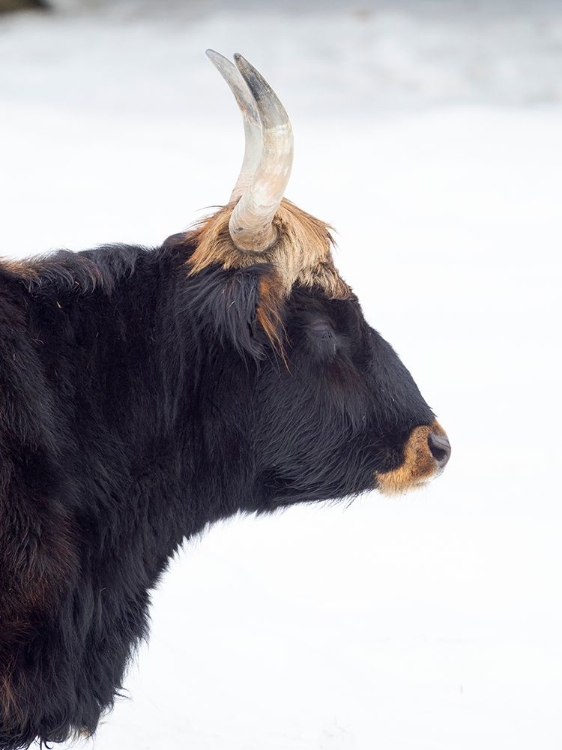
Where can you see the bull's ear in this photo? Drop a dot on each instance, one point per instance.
(240, 306)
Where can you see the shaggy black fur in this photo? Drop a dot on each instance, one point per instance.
(137, 405)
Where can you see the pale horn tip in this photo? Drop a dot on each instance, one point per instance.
(218, 60)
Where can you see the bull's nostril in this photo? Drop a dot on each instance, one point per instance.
(440, 448)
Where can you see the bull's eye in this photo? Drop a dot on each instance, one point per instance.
(322, 336)
(321, 327)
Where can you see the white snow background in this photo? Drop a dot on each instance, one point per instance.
(429, 134)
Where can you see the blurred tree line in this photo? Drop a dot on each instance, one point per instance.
(8, 5)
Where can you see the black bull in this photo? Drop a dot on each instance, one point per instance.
(140, 402)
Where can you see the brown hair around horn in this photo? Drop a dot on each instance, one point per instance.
(301, 255)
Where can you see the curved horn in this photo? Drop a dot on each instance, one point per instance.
(251, 221)
(252, 123)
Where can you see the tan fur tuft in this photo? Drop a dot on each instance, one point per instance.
(302, 253)
(267, 313)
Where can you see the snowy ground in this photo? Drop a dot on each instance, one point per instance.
(429, 134)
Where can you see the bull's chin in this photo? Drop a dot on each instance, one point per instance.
(392, 487)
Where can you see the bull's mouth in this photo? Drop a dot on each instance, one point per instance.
(426, 453)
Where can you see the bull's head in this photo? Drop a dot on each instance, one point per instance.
(334, 411)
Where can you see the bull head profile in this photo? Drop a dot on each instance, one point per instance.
(347, 372)
(145, 393)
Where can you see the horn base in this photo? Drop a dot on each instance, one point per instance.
(257, 239)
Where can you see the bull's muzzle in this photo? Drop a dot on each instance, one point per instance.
(426, 454)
